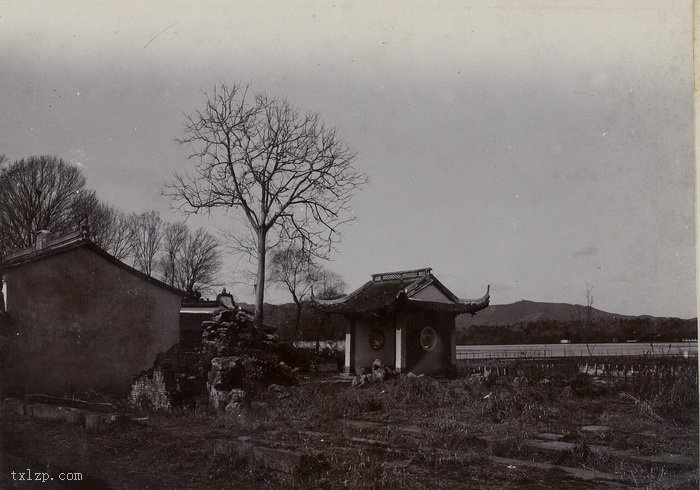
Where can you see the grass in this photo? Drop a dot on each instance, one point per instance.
(419, 432)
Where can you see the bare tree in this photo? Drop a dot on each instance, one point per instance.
(38, 193)
(89, 210)
(4, 245)
(282, 171)
(585, 313)
(589, 305)
(110, 228)
(147, 231)
(327, 285)
(191, 260)
(174, 239)
(201, 261)
(119, 239)
(295, 269)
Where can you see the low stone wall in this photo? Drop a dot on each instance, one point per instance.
(91, 421)
(70, 402)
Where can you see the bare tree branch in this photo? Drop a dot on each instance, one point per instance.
(39, 193)
(294, 268)
(288, 175)
(147, 229)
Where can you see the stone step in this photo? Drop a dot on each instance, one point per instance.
(363, 425)
(602, 479)
(580, 473)
(662, 458)
(551, 443)
(280, 459)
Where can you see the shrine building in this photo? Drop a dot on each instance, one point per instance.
(406, 319)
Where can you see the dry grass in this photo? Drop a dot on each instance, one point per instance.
(426, 433)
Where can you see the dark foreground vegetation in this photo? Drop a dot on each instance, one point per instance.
(408, 432)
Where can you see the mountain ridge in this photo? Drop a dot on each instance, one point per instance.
(518, 312)
(525, 311)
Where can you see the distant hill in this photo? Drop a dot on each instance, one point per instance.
(535, 322)
(524, 311)
(519, 322)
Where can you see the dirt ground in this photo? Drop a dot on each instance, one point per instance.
(404, 433)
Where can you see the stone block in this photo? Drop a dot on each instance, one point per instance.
(287, 461)
(15, 406)
(224, 370)
(60, 414)
(595, 428)
(550, 437)
(98, 422)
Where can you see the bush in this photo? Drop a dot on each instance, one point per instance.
(667, 395)
(423, 390)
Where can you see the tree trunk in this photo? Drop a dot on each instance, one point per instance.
(298, 319)
(318, 332)
(260, 284)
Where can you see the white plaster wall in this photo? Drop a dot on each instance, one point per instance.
(431, 293)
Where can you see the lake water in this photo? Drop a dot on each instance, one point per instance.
(686, 349)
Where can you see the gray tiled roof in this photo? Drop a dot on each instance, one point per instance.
(394, 290)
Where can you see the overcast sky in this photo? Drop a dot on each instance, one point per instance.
(534, 146)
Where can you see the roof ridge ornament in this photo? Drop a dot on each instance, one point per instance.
(401, 275)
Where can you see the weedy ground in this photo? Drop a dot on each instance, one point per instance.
(408, 432)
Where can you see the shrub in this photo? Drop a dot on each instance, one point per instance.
(423, 390)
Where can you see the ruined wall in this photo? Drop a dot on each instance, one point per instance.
(176, 380)
(85, 323)
(151, 391)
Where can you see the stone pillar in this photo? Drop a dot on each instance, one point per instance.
(350, 348)
(3, 296)
(400, 345)
(348, 340)
(453, 343)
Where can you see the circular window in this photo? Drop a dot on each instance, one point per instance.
(376, 339)
(428, 339)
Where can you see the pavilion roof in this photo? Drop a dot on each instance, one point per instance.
(394, 290)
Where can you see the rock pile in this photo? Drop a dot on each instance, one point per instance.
(230, 364)
(222, 333)
(379, 372)
(224, 375)
(232, 377)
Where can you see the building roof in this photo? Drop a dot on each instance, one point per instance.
(389, 291)
(71, 242)
(224, 300)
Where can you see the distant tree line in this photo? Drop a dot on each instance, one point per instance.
(641, 329)
(47, 193)
(315, 326)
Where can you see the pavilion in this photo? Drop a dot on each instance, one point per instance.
(406, 319)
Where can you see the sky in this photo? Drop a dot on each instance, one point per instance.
(541, 147)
